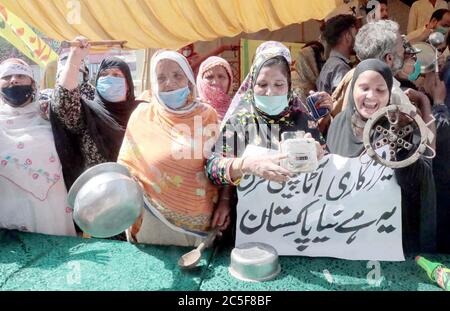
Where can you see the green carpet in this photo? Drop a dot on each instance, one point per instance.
(40, 262)
(325, 274)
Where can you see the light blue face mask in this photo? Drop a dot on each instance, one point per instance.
(175, 99)
(416, 73)
(112, 89)
(272, 105)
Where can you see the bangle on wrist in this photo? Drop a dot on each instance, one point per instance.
(228, 173)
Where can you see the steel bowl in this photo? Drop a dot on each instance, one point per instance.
(105, 200)
(254, 262)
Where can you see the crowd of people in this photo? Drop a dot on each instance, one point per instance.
(47, 140)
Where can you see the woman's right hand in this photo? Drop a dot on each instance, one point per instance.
(267, 167)
(78, 53)
(70, 73)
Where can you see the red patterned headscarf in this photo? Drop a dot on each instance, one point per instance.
(216, 97)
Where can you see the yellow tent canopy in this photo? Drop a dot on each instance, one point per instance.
(163, 23)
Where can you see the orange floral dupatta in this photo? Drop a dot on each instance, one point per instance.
(167, 152)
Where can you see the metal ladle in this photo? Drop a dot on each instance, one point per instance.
(191, 259)
(436, 39)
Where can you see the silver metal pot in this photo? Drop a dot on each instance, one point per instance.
(254, 262)
(105, 200)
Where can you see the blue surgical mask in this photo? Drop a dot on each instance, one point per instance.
(175, 99)
(442, 30)
(271, 105)
(112, 89)
(416, 73)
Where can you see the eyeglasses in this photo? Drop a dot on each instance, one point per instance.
(411, 56)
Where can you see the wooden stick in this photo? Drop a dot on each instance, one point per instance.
(67, 44)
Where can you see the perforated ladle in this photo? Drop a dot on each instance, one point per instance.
(191, 259)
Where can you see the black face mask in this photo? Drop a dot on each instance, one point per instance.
(17, 95)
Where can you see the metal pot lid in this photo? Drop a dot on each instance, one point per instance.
(91, 172)
(426, 57)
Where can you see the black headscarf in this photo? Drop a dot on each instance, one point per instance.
(341, 139)
(416, 180)
(105, 122)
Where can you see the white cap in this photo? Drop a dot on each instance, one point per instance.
(9, 68)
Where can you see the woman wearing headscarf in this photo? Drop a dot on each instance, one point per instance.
(264, 102)
(165, 148)
(370, 91)
(214, 82)
(89, 132)
(32, 190)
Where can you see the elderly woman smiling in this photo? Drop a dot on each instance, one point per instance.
(161, 152)
(370, 91)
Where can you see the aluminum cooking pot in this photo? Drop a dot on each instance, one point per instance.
(105, 200)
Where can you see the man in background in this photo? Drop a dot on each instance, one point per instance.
(421, 11)
(340, 32)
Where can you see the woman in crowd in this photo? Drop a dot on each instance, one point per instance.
(32, 190)
(89, 132)
(265, 101)
(370, 91)
(165, 149)
(214, 83)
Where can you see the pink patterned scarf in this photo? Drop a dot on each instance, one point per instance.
(217, 98)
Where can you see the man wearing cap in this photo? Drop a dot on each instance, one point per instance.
(32, 191)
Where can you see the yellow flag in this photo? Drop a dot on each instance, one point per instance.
(20, 35)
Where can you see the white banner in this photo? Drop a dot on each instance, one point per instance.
(344, 209)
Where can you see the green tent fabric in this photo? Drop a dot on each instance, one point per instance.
(39, 262)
